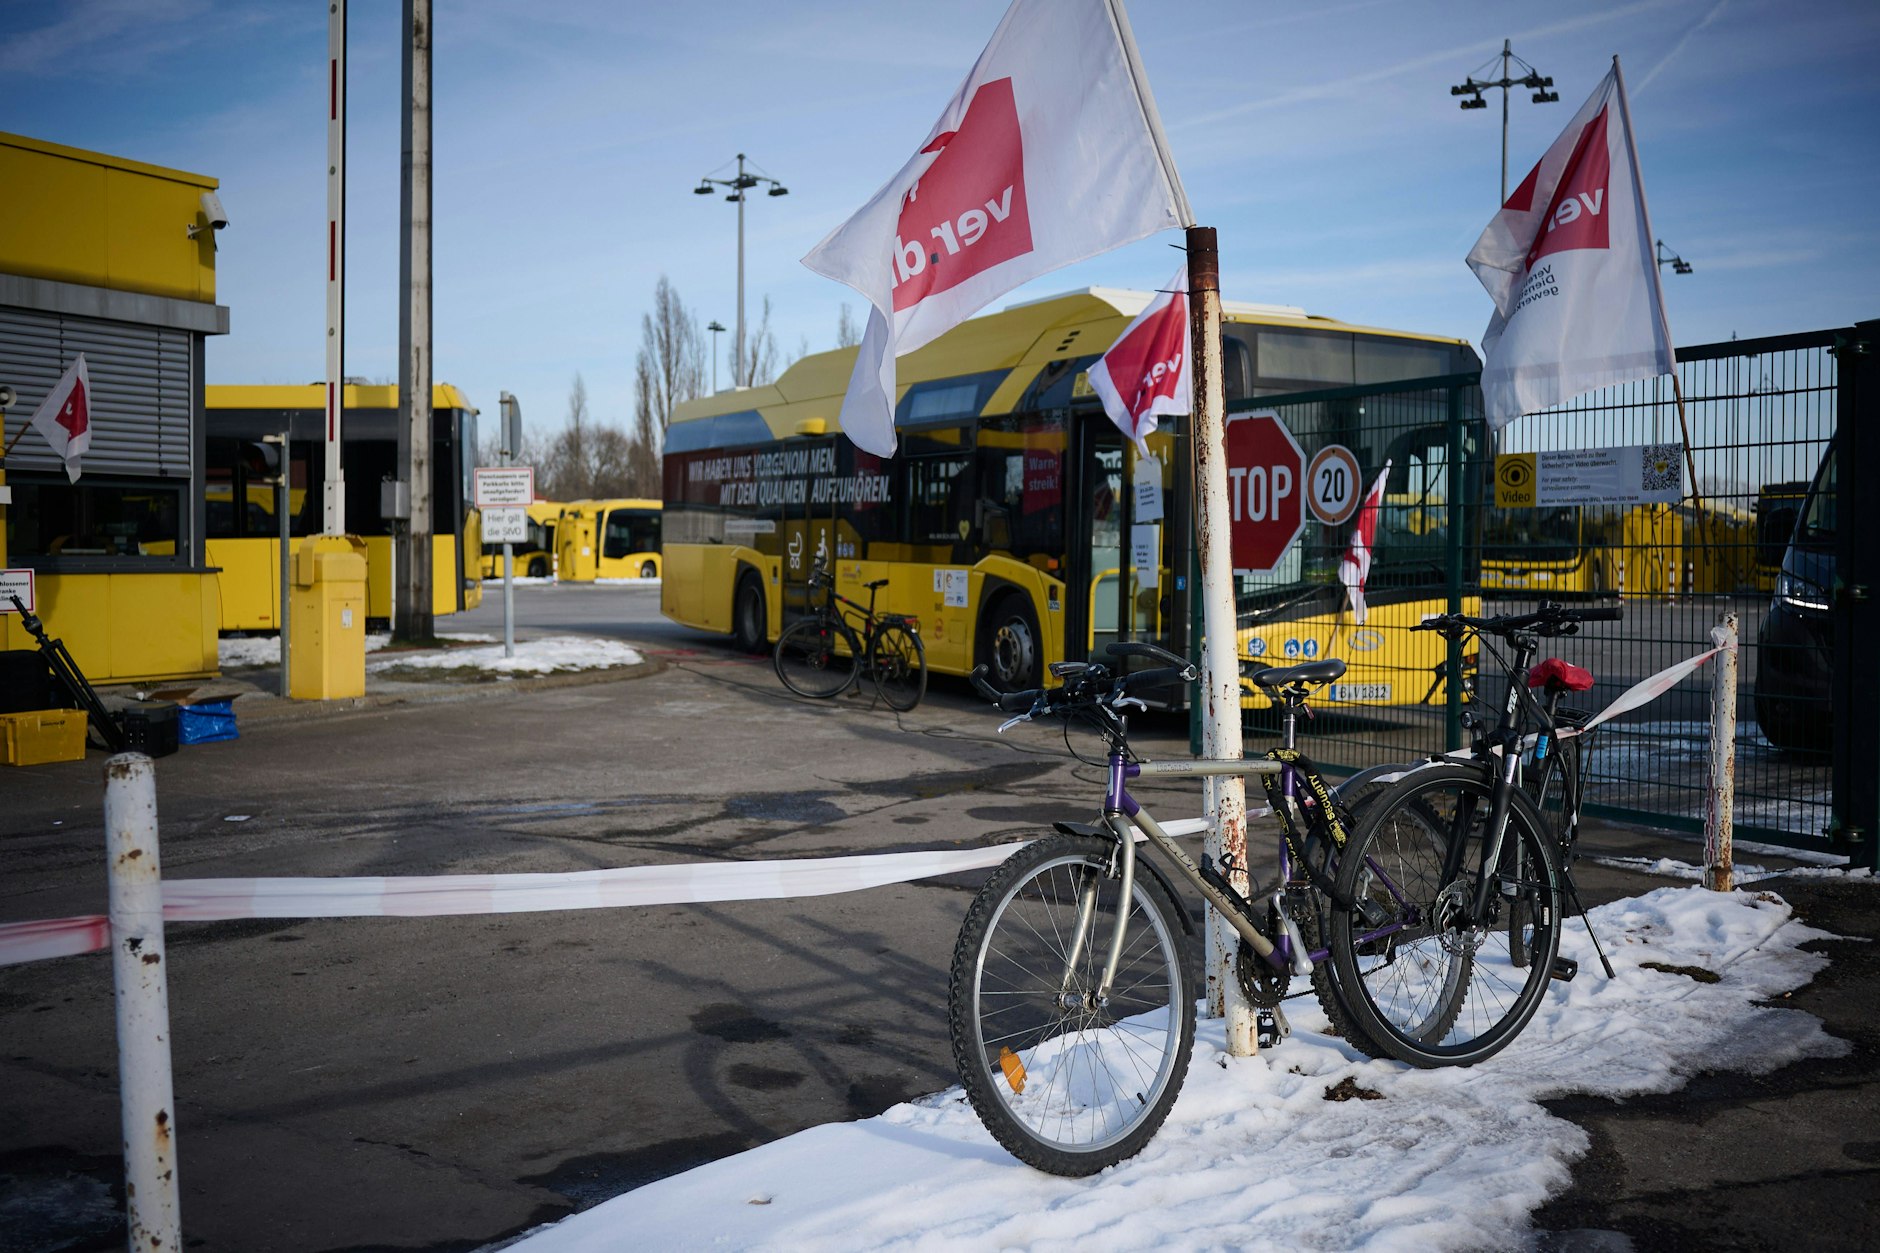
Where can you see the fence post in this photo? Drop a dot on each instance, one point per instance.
(1720, 795)
(143, 1003)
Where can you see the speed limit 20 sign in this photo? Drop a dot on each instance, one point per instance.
(1332, 484)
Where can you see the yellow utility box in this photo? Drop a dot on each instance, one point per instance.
(327, 611)
(45, 735)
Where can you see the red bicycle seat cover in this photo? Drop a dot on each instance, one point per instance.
(1562, 674)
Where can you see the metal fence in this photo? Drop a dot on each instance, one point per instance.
(1739, 454)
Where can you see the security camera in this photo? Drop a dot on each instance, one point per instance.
(213, 214)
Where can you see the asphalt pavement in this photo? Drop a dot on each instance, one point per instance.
(440, 1084)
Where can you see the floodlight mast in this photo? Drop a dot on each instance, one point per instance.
(1473, 87)
(742, 183)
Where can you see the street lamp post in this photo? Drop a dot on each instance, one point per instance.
(1473, 87)
(1666, 257)
(715, 327)
(742, 183)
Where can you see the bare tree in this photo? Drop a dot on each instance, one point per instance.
(565, 469)
(647, 439)
(848, 330)
(760, 353)
(671, 358)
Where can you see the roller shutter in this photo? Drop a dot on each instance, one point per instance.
(140, 383)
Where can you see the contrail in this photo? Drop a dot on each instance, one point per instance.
(1678, 47)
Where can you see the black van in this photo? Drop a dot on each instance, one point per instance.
(1794, 702)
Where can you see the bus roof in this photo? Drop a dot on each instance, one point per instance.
(807, 397)
(622, 502)
(313, 396)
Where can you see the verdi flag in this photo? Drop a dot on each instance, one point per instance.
(1049, 153)
(64, 416)
(1148, 372)
(1355, 567)
(1570, 265)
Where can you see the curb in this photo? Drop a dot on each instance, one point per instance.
(269, 708)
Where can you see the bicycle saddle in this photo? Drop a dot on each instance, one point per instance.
(1561, 674)
(1307, 672)
(877, 583)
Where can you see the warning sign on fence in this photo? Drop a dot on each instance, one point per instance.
(1637, 474)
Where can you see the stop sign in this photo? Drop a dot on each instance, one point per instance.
(1265, 480)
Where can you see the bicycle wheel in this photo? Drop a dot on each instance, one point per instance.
(1066, 1083)
(1428, 988)
(816, 658)
(899, 664)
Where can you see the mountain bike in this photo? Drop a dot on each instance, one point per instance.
(1071, 997)
(821, 655)
(1467, 870)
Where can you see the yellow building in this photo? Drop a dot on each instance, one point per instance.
(115, 259)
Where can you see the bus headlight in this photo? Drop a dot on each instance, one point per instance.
(1799, 593)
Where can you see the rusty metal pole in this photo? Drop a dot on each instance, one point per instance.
(143, 1003)
(1720, 796)
(415, 608)
(1219, 690)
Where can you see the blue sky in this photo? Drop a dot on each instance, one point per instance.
(1321, 141)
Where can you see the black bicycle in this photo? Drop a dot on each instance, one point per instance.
(1467, 870)
(821, 655)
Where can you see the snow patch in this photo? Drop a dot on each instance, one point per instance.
(556, 653)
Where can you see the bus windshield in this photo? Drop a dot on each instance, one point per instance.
(1537, 534)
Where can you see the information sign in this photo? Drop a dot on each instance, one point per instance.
(505, 526)
(16, 583)
(505, 487)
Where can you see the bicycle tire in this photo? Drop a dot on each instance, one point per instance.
(898, 661)
(1065, 1086)
(810, 660)
(1430, 993)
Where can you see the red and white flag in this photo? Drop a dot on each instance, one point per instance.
(1355, 567)
(1049, 153)
(1570, 264)
(64, 416)
(1148, 372)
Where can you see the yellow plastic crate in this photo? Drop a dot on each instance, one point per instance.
(41, 736)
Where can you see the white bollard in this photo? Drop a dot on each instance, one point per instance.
(1720, 796)
(143, 1003)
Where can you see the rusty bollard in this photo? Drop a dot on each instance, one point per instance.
(143, 1004)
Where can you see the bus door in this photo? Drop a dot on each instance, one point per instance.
(1121, 580)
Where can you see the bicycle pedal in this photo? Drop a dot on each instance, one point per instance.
(1270, 1028)
(1565, 968)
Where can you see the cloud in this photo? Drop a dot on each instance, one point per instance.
(1678, 47)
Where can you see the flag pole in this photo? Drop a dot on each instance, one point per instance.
(16, 439)
(1690, 468)
(1219, 690)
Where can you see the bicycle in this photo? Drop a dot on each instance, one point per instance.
(1071, 998)
(820, 656)
(1469, 872)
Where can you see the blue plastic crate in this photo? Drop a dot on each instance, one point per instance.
(207, 723)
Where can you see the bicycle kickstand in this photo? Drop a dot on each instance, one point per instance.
(1573, 889)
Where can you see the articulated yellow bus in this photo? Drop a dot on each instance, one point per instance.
(534, 558)
(608, 539)
(1010, 523)
(245, 542)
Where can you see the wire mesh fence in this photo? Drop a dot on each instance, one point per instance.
(1680, 513)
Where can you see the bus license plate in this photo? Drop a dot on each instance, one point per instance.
(1359, 691)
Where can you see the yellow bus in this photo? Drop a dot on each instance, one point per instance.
(534, 558)
(608, 539)
(1007, 524)
(244, 542)
(1636, 550)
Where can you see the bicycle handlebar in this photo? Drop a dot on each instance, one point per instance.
(1550, 619)
(1091, 684)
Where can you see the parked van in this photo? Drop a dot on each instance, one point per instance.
(1795, 662)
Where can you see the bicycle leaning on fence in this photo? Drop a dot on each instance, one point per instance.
(1466, 870)
(1071, 1001)
(821, 655)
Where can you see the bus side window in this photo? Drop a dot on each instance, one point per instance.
(940, 503)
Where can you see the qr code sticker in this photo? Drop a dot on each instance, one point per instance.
(1662, 468)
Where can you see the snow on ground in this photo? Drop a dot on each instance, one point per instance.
(265, 650)
(1255, 1154)
(496, 584)
(1669, 868)
(521, 580)
(626, 582)
(542, 656)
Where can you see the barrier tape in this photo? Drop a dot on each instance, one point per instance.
(430, 896)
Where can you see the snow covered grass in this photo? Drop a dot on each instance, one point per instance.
(265, 650)
(1257, 1154)
(556, 653)
(1669, 868)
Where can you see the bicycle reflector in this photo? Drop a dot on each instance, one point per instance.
(1013, 1068)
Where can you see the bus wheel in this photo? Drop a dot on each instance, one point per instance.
(538, 568)
(1010, 644)
(748, 619)
(648, 569)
